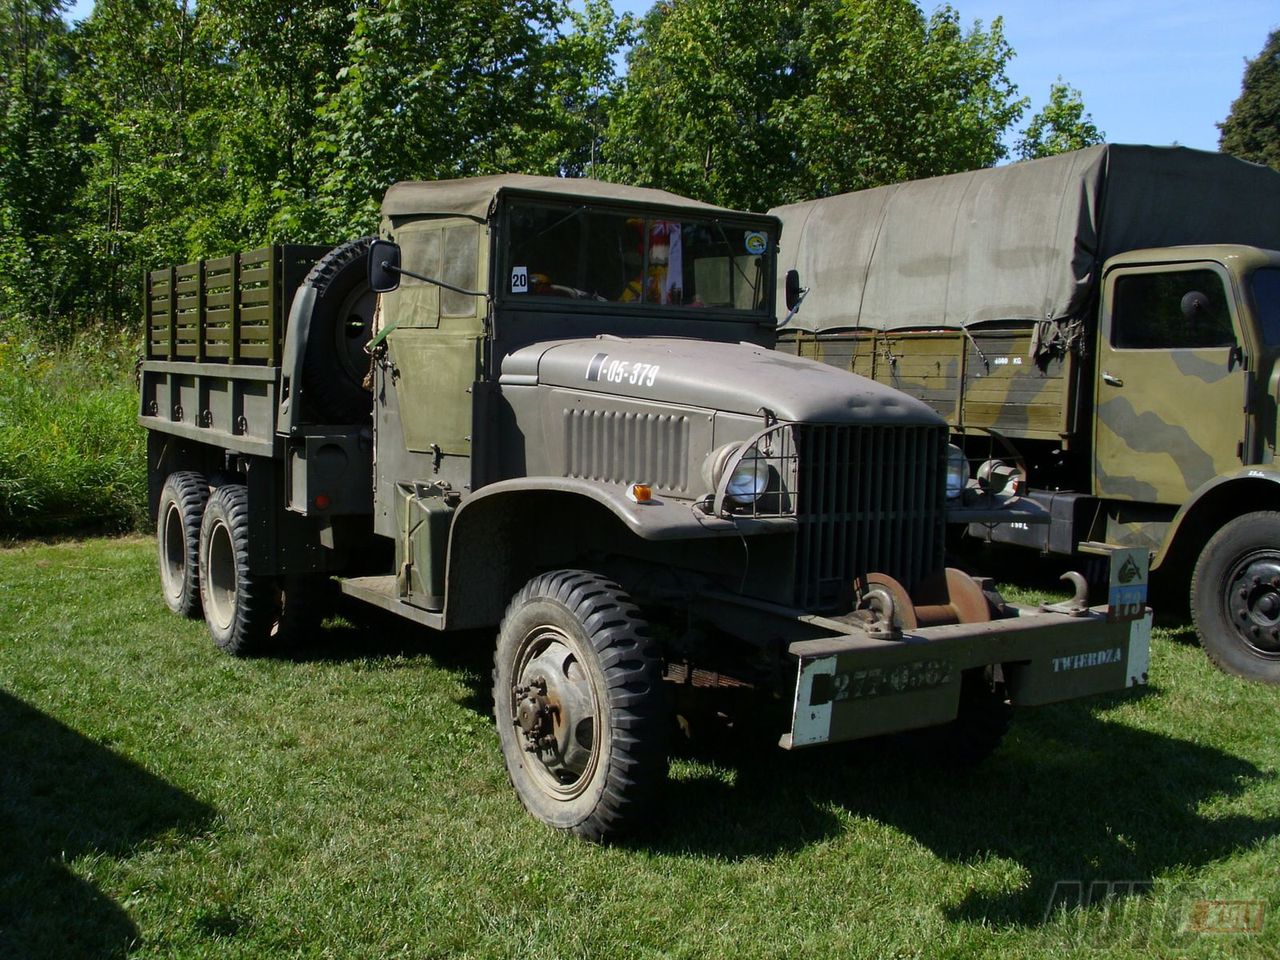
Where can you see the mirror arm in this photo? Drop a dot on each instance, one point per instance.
(387, 265)
(796, 309)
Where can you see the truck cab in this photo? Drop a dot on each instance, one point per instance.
(1186, 350)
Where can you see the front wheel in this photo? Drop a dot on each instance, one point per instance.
(1235, 597)
(580, 706)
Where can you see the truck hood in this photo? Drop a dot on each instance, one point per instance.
(731, 377)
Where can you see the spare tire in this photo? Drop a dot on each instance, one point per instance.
(335, 364)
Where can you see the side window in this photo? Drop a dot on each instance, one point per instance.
(459, 268)
(1181, 310)
(447, 251)
(1265, 287)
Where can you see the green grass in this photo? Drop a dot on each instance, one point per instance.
(158, 799)
(71, 451)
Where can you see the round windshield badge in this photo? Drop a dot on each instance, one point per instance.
(757, 242)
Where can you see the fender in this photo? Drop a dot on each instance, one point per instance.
(1248, 488)
(482, 527)
(295, 351)
(658, 519)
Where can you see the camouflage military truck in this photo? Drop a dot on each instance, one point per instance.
(552, 407)
(1100, 330)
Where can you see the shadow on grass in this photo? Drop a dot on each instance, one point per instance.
(63, 796)
(360, 632)
(1069, 796)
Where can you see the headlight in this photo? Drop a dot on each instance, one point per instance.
(750, 478)
(957, 471)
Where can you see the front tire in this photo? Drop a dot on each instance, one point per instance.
(1235, 597)
(181, 509)
(580, 705)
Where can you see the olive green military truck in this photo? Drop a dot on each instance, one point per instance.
(1100, 330)
(552, 407)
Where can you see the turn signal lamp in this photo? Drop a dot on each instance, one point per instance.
(640, 492)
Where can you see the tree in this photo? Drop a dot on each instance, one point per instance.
(282, 58)
(1060, 125)
(40, 161)
(150, 91)
(433, 89)
(750, 104)
(1252, 129)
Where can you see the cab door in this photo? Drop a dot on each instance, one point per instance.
(1170, 392)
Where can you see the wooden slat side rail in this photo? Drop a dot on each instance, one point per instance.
(230, 309)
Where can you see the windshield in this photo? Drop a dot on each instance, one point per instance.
(1265, 286)
(578, 253)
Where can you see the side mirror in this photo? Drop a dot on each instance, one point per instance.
(792, 288)
(384, 266)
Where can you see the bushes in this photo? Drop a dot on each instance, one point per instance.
(72, 456)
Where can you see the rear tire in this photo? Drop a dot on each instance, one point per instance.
(580, 705)
(181, 509)
(249, 614)
(1235, 597)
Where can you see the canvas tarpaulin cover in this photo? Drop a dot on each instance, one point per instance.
(1021, 242)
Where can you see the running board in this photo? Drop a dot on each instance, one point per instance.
(383, 592)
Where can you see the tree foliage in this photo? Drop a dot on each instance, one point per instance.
(1060, 125)
(156, 131)
(1252, 129)
(41, 147)
(749, 104)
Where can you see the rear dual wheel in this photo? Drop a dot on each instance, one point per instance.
(248, 613)
(181, 508)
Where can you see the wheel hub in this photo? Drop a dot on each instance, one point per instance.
(1254, 602)
(553, 709)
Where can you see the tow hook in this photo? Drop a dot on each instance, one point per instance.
(1078, 605)
(878, 601)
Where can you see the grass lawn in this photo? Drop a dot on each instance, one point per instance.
(158, 799)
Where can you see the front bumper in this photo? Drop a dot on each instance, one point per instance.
(852, 686)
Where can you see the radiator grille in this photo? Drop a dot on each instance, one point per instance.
(622, 447)
(871, 500)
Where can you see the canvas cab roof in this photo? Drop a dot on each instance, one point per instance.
(477, 197)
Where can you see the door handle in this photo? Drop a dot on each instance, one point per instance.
(1111, 379)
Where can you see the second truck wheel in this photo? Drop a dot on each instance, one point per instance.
(1235, 597)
